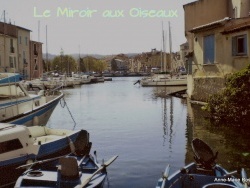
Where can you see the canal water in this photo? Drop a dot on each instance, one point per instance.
(146, 128)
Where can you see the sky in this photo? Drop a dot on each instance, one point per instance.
(105, 27)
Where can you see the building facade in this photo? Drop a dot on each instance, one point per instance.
(36, 60)
(218, 44)
(15, 51)
(23, 49)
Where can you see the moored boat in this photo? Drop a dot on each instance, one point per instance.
(18, 106)
(6, 77)
(20, 145)
(163, 80)
(203, 173)
(71, 171)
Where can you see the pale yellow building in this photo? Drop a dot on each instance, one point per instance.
(23, 51)
(218, 43)
(15, 52)
(8, 48)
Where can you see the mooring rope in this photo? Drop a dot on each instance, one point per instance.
(65, 104)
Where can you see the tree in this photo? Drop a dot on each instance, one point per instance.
(64, 64)
(91, 64)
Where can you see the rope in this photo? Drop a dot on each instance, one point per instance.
(65, 104)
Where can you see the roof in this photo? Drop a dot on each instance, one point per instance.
(23, 28)
(16, 26)
(237, 27)
(32, 41)
(210, 25)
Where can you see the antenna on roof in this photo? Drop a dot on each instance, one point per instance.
(4, 16)
(38, 30)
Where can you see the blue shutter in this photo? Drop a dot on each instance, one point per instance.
(245, 44)
(209, 49)
(234, 46)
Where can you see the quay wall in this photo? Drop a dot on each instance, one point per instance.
(203, 87)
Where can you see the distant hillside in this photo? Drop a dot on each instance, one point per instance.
(50, 56)
(97, 56)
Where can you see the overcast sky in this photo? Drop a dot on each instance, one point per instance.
(98, 26)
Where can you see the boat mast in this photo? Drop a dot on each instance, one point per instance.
(79, 63)
(170, 47)
(164, 49)
(161, 57)
(4, 44)
(47, 50)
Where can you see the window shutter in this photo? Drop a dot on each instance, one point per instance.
(245, 44)
(234, 46)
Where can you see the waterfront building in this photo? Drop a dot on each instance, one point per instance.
(23, 49)
(217, 41)
(36, 60)
(15, 51)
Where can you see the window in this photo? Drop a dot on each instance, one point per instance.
(36, 67)
(12, 62)
(12, 50)
(239, 45)
(35, 49)
(20, 39)
(10, 145)
(26, 41)
(24, 57)
(209, 47)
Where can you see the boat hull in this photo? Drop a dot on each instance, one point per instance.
(38, 116)
(52, 176)
(196, 179)
(60, 147)
(167, 82)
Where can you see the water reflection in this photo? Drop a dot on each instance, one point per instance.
(232, 143)
(173, 119)
(147, 129)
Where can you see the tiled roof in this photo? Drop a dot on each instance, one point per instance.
(237, 27)
(210, 25)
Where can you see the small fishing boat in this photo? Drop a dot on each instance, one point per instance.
(18, 106)
(20, 145)
(203, 173)
(72, 171)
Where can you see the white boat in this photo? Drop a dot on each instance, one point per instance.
(86, 79)
(19, 106)
(71, 171)
(164, 80)
(173, 79)
(20, 145)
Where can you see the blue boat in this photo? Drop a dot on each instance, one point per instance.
(9, 77)
(18, 106)
(72, 171)
(21, 145)
(203, 173)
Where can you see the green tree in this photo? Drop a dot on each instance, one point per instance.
(64, 64)
(91, 64)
